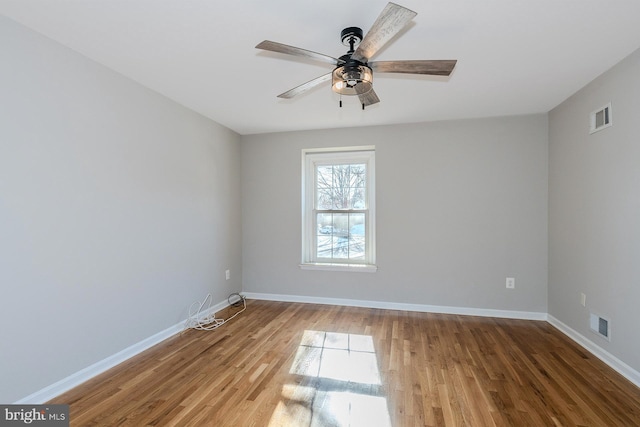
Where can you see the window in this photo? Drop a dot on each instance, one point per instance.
(338, 209)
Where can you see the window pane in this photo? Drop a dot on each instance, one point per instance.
(356, 236)
(325, 199)
(340, 246)
(325, 176)
(357, 198)
(341, 198)
(325, 223)
(357, 176)
(325, 233)
(325, 246)
(324, 187)
(341, 187)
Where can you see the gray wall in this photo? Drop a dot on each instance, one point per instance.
(594, 210)
(118, 209)
(461, 205)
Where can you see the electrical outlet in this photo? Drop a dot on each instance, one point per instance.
(227, 274)
(583, 299)
(511, 282)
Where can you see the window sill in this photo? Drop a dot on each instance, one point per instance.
(360, 268)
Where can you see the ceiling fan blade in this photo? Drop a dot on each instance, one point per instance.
(392, 19)
(434, 68)
(305, 86)
(369, 98)
(291, 50)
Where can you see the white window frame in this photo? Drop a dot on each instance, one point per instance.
(311, 158)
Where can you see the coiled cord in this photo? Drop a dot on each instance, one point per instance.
(203, 322)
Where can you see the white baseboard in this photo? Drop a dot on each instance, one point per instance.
(74, 380)
(616, 364)
(467, 311)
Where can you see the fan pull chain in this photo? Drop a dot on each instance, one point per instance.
(340, 100)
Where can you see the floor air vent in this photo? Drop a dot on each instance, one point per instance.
(600, 326)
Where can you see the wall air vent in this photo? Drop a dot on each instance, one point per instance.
(600, 326)
(600, 119)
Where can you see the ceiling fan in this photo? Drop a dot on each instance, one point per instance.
(353, 73)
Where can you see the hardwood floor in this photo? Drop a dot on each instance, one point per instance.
(289, 364)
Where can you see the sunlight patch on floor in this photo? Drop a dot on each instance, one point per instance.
(336, 383)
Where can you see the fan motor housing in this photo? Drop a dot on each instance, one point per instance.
(351, 36)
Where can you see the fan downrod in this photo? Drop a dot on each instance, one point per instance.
(351, 36)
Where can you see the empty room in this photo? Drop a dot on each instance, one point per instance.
(290, 213)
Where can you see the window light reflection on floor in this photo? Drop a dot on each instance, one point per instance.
(337, 383)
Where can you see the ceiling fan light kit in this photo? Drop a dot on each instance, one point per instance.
(352, 80)
(353, 73)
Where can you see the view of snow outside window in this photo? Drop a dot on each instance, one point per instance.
(341, 211)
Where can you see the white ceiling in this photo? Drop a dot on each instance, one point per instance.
(514, 56)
